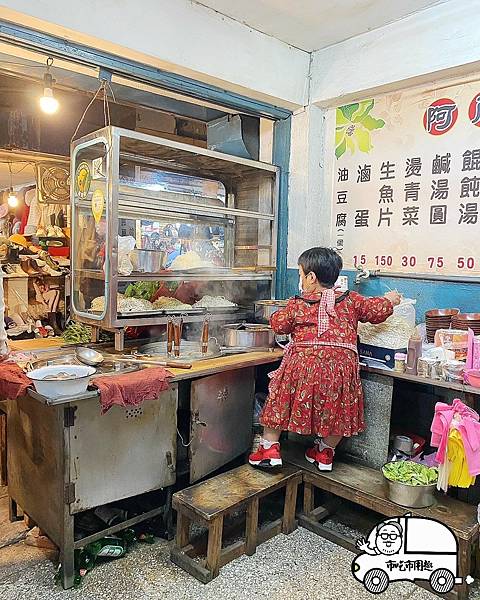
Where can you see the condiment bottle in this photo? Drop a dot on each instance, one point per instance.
(205, 337)
(413, 354)
(400, 362)
(169, 336)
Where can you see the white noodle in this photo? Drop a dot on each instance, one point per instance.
(393, 333)
(213, 302)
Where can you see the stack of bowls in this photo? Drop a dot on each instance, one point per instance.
(439, 319)
(467, 321)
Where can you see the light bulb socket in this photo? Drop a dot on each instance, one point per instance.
(48, 81)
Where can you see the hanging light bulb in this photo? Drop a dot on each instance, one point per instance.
(12, 199)
(48, 103)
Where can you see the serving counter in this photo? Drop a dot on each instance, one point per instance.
(64, 457)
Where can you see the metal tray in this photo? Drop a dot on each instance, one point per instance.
(221, 309)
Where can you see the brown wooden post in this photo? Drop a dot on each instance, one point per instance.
(251, 527)
(288, 524)
(182, 537)
(214, 548)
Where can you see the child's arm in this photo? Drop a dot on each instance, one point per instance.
(373, 310)
(283, 321)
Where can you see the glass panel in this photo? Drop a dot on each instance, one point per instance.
(184, 295)
(201, 241)
(172, 186)
(89, 227)
(253, 244)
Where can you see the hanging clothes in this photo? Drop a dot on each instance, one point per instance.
(34, 213)
(459, 475)
(456, 433)
(468, 426)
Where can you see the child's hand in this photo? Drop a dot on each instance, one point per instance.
(394, 298)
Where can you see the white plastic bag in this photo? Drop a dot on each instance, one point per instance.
(406, 311)
(125, 245)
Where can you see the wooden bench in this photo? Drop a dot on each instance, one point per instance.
(366, 487)
(207, 503)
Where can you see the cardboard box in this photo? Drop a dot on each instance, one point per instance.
(385, 355)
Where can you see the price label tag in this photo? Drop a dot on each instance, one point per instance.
(98, 203)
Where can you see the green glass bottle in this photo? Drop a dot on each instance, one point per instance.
(107, 547)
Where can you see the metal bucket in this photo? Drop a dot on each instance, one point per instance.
(148, 261)
(411, 496)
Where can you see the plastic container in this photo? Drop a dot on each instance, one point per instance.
(472, 377)
(414, 352)
(79, 376)
(59, 251)
(400, 362)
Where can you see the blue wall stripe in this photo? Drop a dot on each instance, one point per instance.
(58, 47)
(281, 158)
(428, 294)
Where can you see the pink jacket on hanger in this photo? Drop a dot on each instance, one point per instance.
(469, 428)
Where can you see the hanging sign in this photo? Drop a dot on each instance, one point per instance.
(98, 204)
(406, 189)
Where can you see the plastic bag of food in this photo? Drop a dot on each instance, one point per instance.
(125, 245)
(455, 340)
(406, 311)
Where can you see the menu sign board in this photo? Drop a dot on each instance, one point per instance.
(406, 189)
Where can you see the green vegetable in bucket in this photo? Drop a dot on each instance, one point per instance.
(410, 473)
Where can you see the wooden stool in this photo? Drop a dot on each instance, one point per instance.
(366, 487)
(209, 502)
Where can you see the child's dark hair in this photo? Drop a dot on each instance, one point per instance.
(324, 262)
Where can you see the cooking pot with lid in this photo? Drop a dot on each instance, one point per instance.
(249, 335)
(264, 309)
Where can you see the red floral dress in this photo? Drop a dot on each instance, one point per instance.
(317, 389)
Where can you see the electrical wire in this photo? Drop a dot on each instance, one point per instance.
(183, 441)
(82, 118)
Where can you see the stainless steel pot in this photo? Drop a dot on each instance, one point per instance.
(249, 335)
(148, 261)
(264, 309)
(403, 443)
(411, 496)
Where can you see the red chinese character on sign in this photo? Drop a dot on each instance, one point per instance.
(440, 116)
(474, 110)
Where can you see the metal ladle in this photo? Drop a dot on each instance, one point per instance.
(89, 356)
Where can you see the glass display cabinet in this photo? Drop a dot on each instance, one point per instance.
(161, 228)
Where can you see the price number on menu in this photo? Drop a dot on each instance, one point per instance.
(434, 263)
(466, 262)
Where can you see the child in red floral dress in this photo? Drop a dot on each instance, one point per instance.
(317, 389)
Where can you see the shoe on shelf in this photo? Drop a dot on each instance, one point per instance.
(29, 266)
(323, 459)
(266, 458)
(8, 269)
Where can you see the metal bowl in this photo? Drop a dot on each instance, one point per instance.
(410, 496)
(148, 261)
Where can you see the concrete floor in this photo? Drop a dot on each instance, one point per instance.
(301, 566)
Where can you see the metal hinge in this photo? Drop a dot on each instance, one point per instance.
(170, 463)
(69, 416)
(196, 419)
(69, 493)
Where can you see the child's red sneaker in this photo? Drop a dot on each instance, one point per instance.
(266, 458)
(323, 459)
